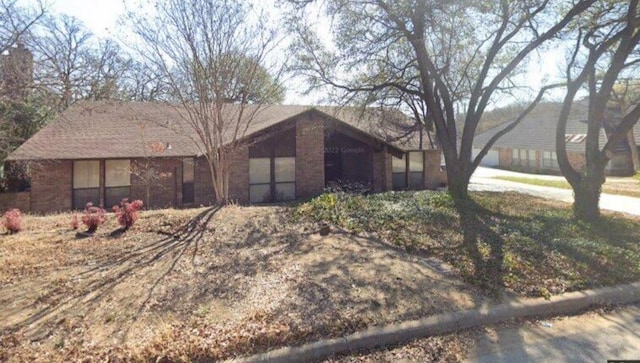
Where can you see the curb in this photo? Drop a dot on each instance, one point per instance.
(450, 322)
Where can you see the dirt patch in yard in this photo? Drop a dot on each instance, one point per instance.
(203, 284)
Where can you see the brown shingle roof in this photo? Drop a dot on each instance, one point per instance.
(114, 129)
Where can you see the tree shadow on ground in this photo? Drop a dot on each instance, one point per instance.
(96, 283)
(484, 246)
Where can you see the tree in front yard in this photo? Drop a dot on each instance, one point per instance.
(606, 49)
(457, 58)
(214, 57)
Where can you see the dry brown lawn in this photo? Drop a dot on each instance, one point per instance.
(203, 284)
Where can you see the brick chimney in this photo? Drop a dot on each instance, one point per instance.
(16, 72)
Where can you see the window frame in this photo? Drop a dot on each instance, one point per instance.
(77, 191)
(126, 187)
(273, 182)
(532, 162)
(551, 161)
(261, 183)
(402, 175)
(412, 173)
(408, 174)
(515, 157)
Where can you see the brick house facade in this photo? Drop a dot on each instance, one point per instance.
(293, 156)
(531, 145)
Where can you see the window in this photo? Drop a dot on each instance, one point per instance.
(259, 180)
(285, 178)
(515, 157)
(86, 183)
(272, 179)
(272, 167)
(399, 172)
(408, 171)
(521, 157)
(532, 158)
(188, 176)
(416, 169)
(549, 159)
(117, 181)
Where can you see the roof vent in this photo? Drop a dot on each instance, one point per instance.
(574, 138)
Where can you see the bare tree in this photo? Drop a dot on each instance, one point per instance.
(15, 21)
(140, 82)
(108, 67)
(606, 48)
(213, 56)
(72, 64)
(455, 57)
(62, 48)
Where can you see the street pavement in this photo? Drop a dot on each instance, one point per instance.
(484, 180)
(592, 337)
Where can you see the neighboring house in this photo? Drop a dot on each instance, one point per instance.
(531, 146)
(102, 152)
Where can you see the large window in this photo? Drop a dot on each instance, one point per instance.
(408, 171)
(285, 178)
(188, 176)
(416, 169)
(272, 179)
(515, 157)
(117, 181)
(259, 180)
(549, 159)
(399, 172)
(86, 183)
(532, 158)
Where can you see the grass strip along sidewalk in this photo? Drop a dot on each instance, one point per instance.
(628, 189)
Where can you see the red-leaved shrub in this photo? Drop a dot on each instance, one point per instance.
(13, 220)
(93, 217)
(127, 212)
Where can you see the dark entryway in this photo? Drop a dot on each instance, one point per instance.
(332, 167)
(348, 159)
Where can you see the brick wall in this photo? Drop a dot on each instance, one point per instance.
(239, 175)
(51, 185)
(382, 180)
(309, 156)
(20, 200)
(434, 176)
(577, 160)
(505, 158)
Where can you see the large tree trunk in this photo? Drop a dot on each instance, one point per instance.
(458, 185)
(586, 206)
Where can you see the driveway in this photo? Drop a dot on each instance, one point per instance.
(484, 180)
(593, 337)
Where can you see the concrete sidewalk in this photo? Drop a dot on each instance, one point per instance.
(592, 337)
(484, 180)
(567, 303)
